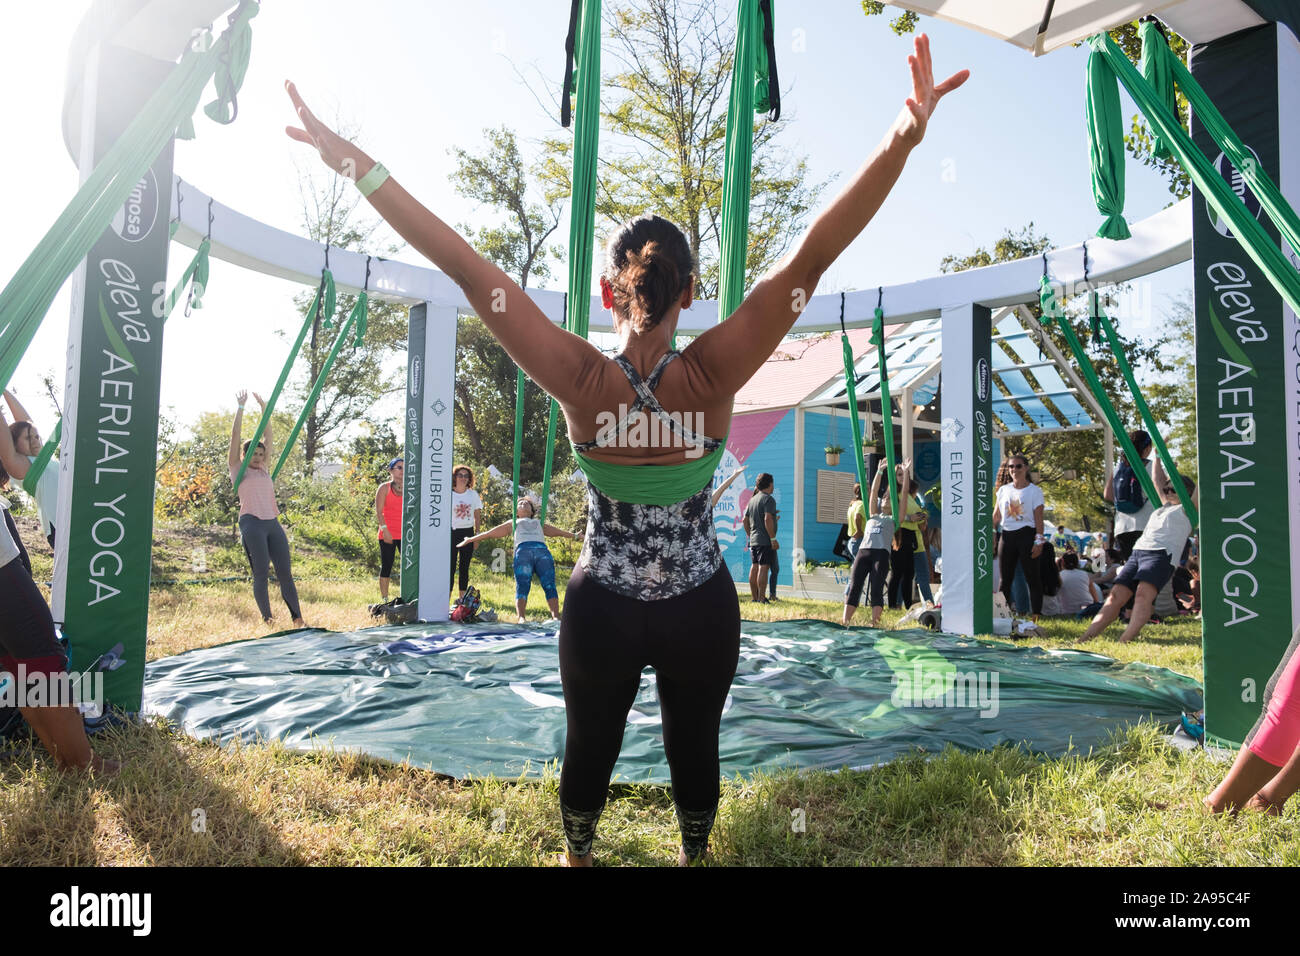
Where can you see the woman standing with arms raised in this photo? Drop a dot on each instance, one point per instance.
(259, 518)
(650, 588)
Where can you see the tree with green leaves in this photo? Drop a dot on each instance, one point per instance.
(359, 378)
(1139, 141)
(663, 137)
(499, 179)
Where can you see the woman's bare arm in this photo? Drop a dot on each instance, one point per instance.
(236, 432)
(503, 530)
(16, 407)
(727, 355)
(563, 364)
(17, 465)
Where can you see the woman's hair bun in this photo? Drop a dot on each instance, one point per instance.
(650, 265)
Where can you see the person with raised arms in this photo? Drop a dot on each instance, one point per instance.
(650, 587)
(871, 561)
(264, 539)
(532, 556)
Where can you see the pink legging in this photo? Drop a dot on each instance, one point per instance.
(1274, 737)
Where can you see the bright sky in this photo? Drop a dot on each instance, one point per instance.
(420, 77)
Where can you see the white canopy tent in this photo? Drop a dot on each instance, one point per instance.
(1041, 26)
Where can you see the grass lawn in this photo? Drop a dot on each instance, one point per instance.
(1133, 802)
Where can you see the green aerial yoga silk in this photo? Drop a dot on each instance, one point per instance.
(356, 320)
(754, 69)
(651, 484)
(326, 291)
(1254, 240)
(25, 301)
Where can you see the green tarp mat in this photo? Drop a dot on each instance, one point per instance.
(486, 699)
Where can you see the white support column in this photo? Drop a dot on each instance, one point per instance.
(908, 416)
(968, 470)
(797, 552)
(426, 502)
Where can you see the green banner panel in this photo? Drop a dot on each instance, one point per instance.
(104, 530)
(486, 699)
(1243, 360)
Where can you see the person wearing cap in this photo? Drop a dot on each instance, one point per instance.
(388, 513)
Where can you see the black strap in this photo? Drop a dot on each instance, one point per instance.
(769, 41)
(566, 103)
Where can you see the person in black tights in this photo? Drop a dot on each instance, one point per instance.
(1018, 514)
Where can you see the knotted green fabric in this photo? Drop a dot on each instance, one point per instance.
(27, 297)
(886, 410)
(1254, 240)
(662, 485)
(1156, 70)
(1106, 147)
(195, 273)
(33, 476)
(1052, 311)
(1257, 178)
(325, 288)
(355, 322)
(229, 77)
(582, 205)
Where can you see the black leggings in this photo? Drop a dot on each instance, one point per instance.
(387, 552)
(869, 564)
(462, 555)
(23, 556)
(693, 643)
(902, 569)
(26, 628)
(265, 543)
(1016, 548)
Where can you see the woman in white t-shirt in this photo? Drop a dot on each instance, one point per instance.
(466, 516)
(1018, 514)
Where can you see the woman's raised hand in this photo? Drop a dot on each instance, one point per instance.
(260, 401)
(335, 151)
(241, 397)
(925, 94)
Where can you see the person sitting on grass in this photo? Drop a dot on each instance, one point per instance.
(1151, 564)
(532, 556)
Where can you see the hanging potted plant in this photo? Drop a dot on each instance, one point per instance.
(833, 453)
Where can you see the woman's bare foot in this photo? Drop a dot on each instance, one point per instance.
(568, 859)
(299, 622)
(521, 619)
(1263, 804)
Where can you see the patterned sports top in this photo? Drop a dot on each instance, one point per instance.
(642, 551)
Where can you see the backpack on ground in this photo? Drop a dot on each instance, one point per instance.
(1128, 489)
(466, 608)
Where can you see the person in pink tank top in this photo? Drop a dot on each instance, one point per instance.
(264, 539)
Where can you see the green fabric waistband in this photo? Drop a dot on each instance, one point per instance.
(650, 484)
